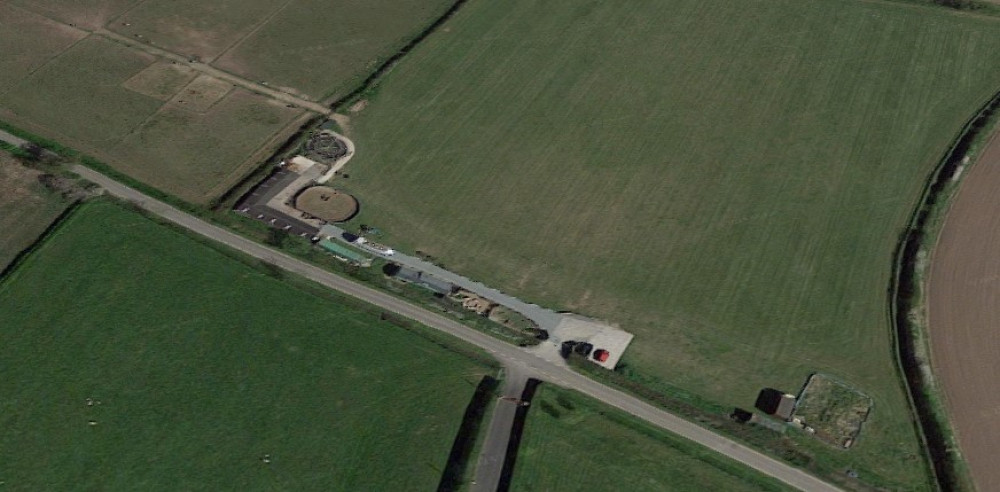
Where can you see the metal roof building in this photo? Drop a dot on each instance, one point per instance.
(344, 252)
(427, 281)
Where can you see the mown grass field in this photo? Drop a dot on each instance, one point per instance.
(36, 40)
(727, 180)
(322, 50)
(102, 98)
(88, 14)
(26, 208)
(573, 443)
(202, 366)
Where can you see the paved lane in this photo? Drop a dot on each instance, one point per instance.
(508, 355)
(494, 449)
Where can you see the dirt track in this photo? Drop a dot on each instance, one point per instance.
(964, 315)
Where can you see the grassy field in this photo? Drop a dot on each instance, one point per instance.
(198, 366)
(727, 181)
(35, 39)
(89, 14)
(200, 155)
(80, 93)
(573, 443)
(191, 137)
(26, 208)
(321, 51)
(194, 27)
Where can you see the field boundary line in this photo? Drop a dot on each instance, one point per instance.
(215, 72)
(249, 164)
(260, 25)
(991, 13)
(372, 79)
(22, 256)
(125, 12)
(53, 58)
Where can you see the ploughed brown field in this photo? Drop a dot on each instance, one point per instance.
(964, 311)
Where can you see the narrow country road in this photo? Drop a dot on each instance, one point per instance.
(508, 355)
(494, 449)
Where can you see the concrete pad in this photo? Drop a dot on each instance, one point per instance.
(600, 334)
(300, 163)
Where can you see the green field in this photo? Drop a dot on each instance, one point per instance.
(202, 366)
(727, 180)
(323, 51)
(573, 443)
(26, 208)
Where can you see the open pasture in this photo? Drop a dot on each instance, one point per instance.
(136, 357)
(312, 48)
(87, 14)
(322, 50)
(573, 443)
(34, 38)
(194, 28)
(197, 156)
(192, 137)
(726, 180)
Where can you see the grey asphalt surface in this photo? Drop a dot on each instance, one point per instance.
(510, 356)
(494, 448)
(255, 205)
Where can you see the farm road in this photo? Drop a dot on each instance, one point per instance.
(219, 74)
(512, 357)
(494, 449)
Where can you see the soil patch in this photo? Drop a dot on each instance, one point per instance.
(160, 80)
(202, 93)
(963, 313)
(327, 204)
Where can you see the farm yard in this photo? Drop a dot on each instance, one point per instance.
(732, 197)
(196, 371)
(26, 208)
(568, 440)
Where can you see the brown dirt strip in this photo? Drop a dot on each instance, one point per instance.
(964, 315)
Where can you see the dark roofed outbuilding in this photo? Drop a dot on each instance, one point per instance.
(776, 403)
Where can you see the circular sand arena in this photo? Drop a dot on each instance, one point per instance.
(327, 204)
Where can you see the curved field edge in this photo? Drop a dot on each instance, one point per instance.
(908, 291)
(155, 409)
(823, 304)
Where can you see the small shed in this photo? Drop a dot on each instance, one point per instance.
(345, 253)
(776, 403)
